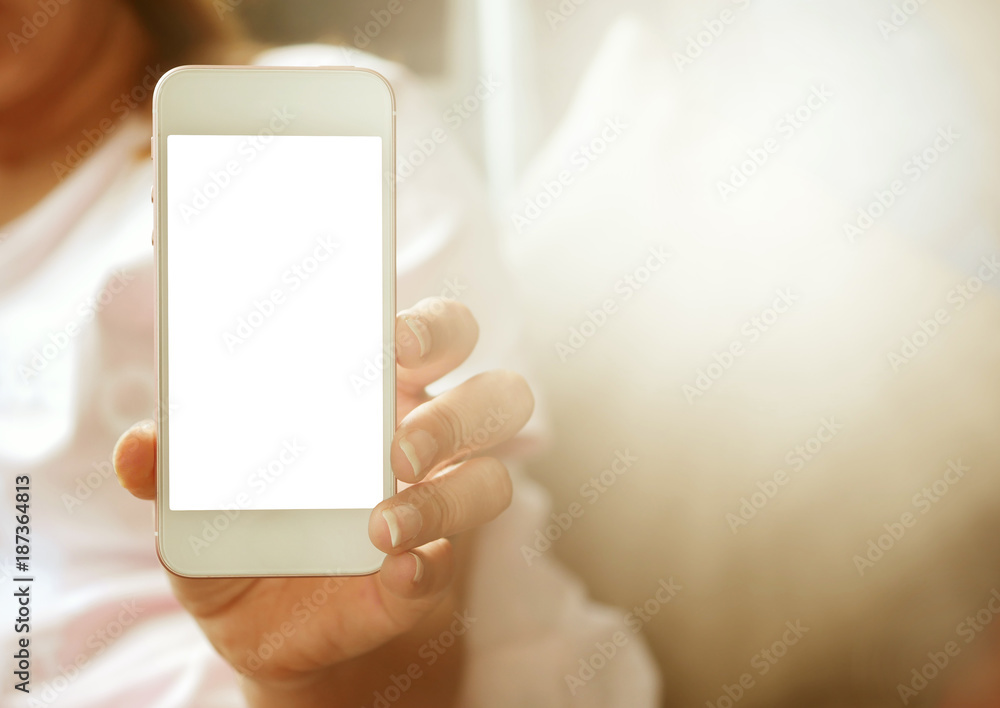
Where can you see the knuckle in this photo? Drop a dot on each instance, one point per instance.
(451, 422)
(456, 507)
(447, 507)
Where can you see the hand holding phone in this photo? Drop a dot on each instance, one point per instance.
(339, 634)
(265, 588)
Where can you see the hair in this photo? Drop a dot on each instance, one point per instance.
(195, 31)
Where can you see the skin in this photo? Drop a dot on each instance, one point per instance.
(63, 81)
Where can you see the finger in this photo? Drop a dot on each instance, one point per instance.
(465, 496)
(424, 572)
(134, 458)
(482, 412)
(432, 338)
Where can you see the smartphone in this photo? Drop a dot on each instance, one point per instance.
(275, 270)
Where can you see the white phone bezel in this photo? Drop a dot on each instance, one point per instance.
(239, 100)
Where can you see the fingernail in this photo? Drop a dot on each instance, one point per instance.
(404, 523)
(418, 571)
(419, 446)
(421, 332)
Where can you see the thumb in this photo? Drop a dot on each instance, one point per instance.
(134, 458)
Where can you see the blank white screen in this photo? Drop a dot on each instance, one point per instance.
(274, 301)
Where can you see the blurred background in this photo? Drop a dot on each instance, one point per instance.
(755, 244)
